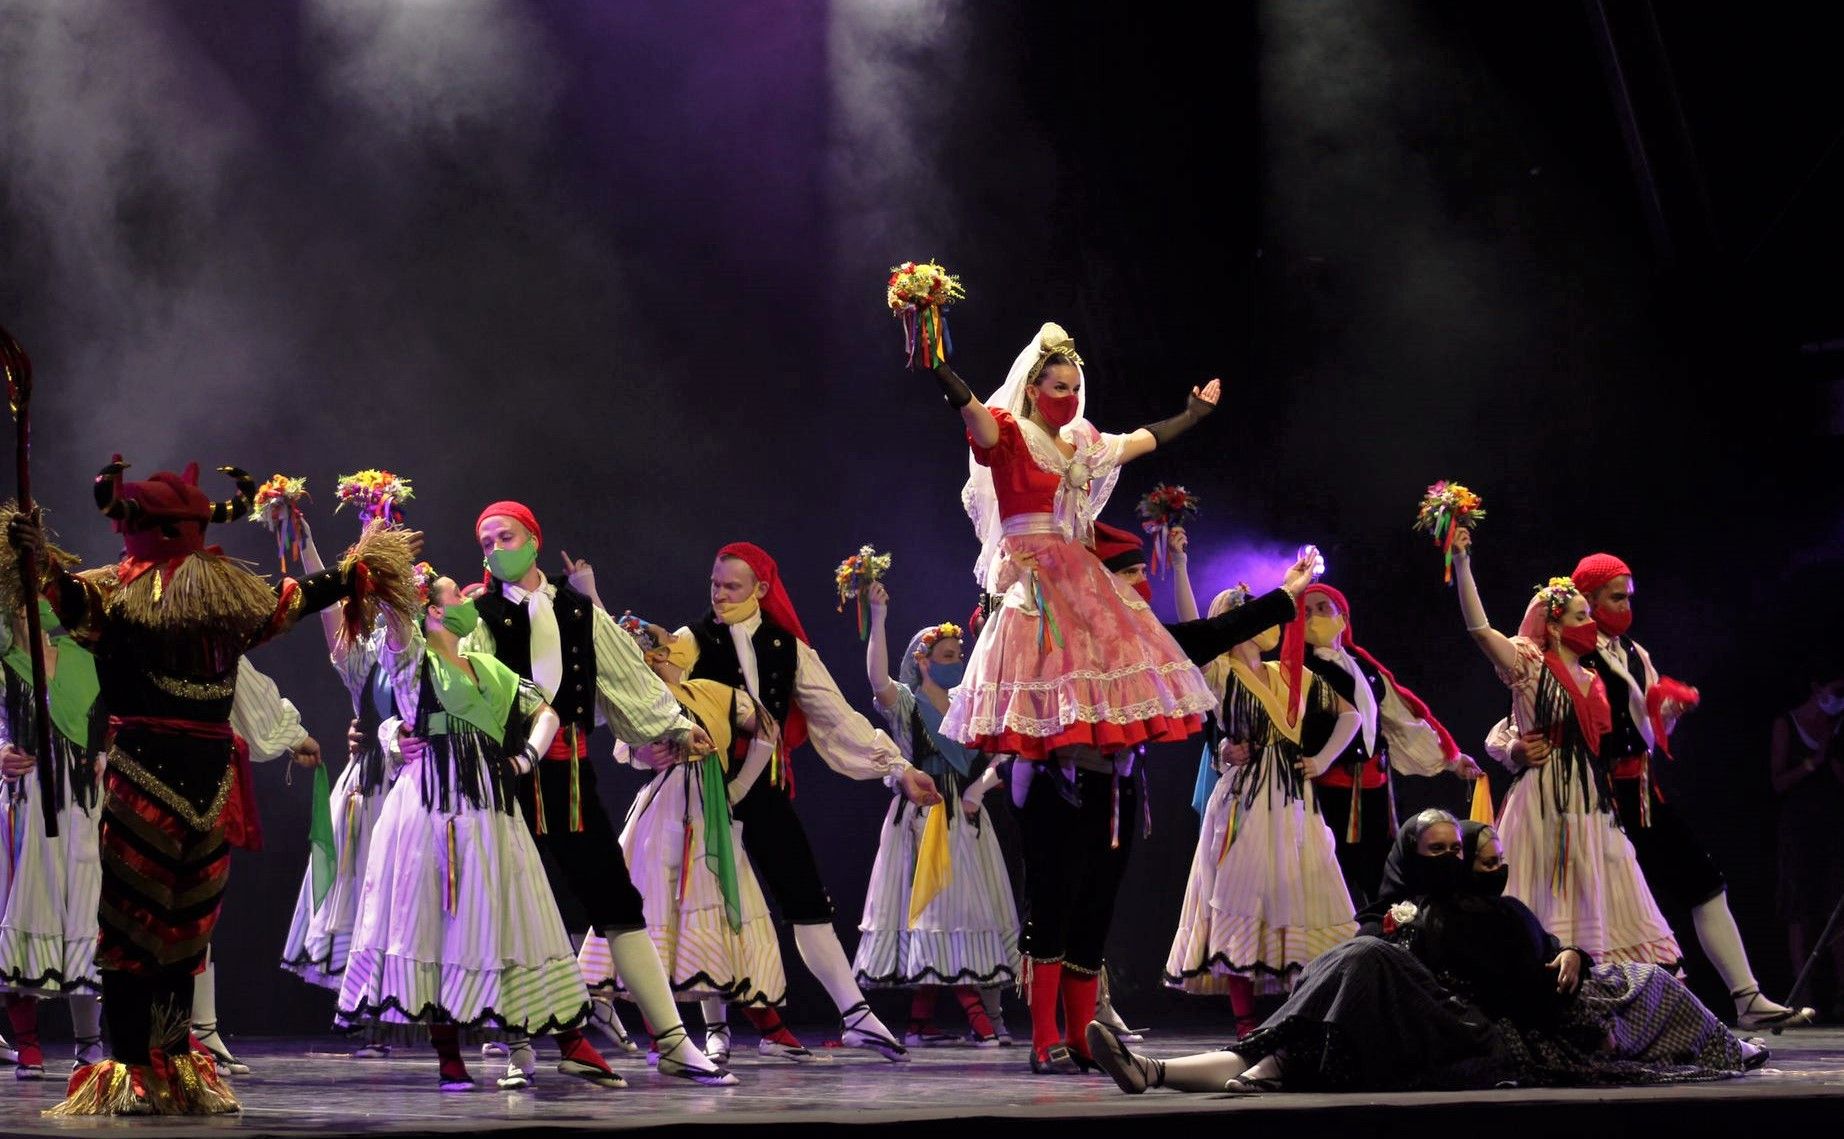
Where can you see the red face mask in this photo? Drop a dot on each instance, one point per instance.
(1613, 622)
(1583, 639)
(1057, 410)
(1144, 589)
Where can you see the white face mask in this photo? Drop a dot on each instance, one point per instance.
(1829, 704)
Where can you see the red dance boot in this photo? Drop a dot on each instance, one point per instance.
(1079, 994)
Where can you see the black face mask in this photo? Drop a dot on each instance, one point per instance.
(1444, 874)
(1491, 883)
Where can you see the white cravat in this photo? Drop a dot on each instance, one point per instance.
(743, 636)
(1363, 698)
(546, 641)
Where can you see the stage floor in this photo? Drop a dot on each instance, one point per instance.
(300, 1087)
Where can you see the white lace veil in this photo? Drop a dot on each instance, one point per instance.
(1096, 462)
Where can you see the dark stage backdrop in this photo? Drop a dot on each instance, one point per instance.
(624, 262)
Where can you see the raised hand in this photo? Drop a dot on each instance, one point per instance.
(879, 598)
(580, 574)
(1300, 574)
(1462, 542)
(1177, 541)
(1210, 393)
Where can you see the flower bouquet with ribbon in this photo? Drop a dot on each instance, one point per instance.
(853, 576)
(277, 506)
(1160, 509)
(376, 494)
(917, 294)
(1445, 509)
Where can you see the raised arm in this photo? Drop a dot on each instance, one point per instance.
(637, 704)
(877, 649)
(982, 428)
(1179, 543)
(1204, 640)
(1151, 437)
(1494, 644)
(311, 562)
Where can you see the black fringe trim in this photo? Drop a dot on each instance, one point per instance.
(52, 981)
(703, 980)
(1002, 974)
(1210, 966)
(323, 967)
(489, 1021)
(1555, 714)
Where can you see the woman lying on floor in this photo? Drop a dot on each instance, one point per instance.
(1456, 987)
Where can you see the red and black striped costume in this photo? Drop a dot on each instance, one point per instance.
(167, 625)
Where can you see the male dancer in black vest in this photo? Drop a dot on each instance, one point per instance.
(574, 653)
(1392, 730)
(1677, 867)
(753, 639)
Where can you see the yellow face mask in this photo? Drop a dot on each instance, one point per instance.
(738, 612)
(1267, 639)
(1324, 631)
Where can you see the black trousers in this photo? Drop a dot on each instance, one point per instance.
(1361, 862)
(1681, 873)
(782, 856)
(144, 1011)
(586, 865)
(1072, 866)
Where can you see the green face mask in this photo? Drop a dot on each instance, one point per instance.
(47, 616)
(461, 617)
(512, 564)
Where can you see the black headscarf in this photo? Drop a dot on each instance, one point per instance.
(1405, 875)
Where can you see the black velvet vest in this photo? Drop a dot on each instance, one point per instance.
(1319, 722)
(510, 626)
(777, 656)
(1625, 739)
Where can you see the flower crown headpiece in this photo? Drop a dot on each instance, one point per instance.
(424, 575)
(636, 628)
(943, 631)
(1556, 596)
(1053, 341)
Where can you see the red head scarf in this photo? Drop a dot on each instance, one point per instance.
(518, 512)
(1119, 549)
(777, 607)
(1293, 660)
(1597, 570)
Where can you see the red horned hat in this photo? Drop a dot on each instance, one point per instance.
(164, 517)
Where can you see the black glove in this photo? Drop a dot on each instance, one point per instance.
(1166, 430)
(953, 388)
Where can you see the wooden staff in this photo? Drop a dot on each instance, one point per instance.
(18, 368)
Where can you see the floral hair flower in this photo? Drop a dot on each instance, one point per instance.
(1556, 596)
(947, 630)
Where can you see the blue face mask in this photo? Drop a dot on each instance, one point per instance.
(946, 675)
